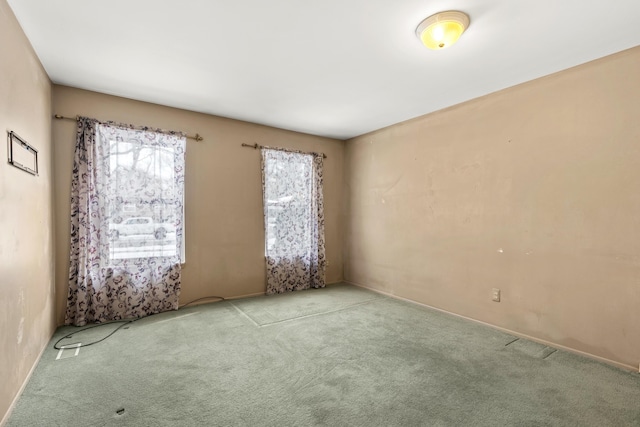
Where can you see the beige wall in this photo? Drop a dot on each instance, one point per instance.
(533, 190)
(26, 250)
(224, 225)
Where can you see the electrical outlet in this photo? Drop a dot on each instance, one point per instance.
(495, 295)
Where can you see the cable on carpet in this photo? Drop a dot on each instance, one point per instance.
(124, 323)
(203, 298)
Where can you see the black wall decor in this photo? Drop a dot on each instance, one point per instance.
(21, 154)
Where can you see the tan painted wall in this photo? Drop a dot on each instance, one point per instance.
(534, 190)
(26, 249)
(224, 225)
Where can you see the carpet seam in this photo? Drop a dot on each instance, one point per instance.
(262, 325)
(244, 314)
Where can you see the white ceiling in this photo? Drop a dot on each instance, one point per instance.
(336, 68)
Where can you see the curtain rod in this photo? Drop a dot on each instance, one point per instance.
(196, 137)
(256, 146)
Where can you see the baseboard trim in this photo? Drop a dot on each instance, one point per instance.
(509, 331)
(257, 294)
(6, 416)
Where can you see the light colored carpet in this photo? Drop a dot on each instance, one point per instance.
(340, 356)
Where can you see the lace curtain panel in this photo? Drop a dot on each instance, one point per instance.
(293, 220)
(126, 222)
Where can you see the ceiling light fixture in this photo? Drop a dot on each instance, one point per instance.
(443, 29)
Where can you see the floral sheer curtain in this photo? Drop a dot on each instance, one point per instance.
(293, 220)
(126, 222)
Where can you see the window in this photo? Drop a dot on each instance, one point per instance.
(145, 194)
(288, 204)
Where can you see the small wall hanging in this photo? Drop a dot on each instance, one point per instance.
(21, 154)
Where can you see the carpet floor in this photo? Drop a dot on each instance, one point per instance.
(339, 356)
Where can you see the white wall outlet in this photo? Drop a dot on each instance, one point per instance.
(495, 295)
